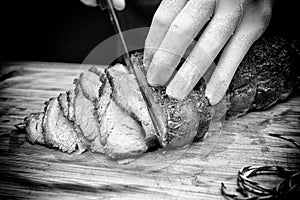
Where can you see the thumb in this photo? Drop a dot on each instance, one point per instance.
(119, 4)
(89, 2)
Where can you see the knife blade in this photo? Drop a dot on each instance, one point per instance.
(155, 111)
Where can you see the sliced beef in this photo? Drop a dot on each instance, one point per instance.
(34, 129)
(63, 102)
(101, 107)
(70, 99)
(89, 117)
(53, 129)
(107, 113)
(123, 136)
(127, 95)
(90, 84)
(86, 100)
(58, 131)
(86, 93)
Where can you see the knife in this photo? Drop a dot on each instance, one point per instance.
(155, 111)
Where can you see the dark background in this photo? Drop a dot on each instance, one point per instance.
(55, 30)
(67, 30)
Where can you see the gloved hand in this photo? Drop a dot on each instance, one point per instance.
(118, 4)
(233, 25)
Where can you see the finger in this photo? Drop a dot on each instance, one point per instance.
(162, 19)
(212, 40)
(119, 4)
(181, 33)
(90, 2)
(255, 19)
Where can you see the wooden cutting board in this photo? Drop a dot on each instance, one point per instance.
(196, 172)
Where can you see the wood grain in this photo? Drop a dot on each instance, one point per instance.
(196, 172)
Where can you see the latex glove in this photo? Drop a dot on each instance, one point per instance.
(234, 26)
(118, 4)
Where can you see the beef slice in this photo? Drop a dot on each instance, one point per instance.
(86, 94)
(70, 99)
(123, 136)
(34, 129)
(127, 95)
(63, 102)
(105, 99)
(58, 131)
(101, 107)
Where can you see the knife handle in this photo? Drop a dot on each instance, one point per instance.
(102, 4)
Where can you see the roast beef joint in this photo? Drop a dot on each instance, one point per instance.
(106, 112)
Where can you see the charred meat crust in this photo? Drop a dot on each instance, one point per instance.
(268, 73)
(186, 119)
